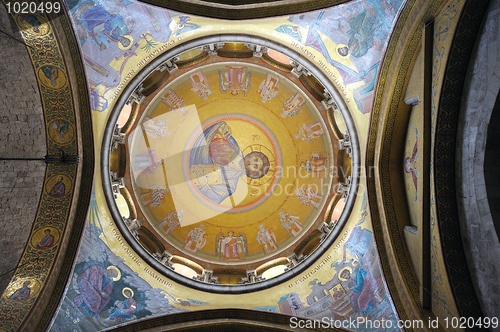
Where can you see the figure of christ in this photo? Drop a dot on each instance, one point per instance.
(217, 163)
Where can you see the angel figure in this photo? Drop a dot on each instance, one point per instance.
(290, 223)
(269, 88)
(231, 246)
(293, 105)
(410, 163)
(234, 80)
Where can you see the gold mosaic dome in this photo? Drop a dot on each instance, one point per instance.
(229, 165)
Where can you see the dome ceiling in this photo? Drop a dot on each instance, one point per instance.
(230, 162)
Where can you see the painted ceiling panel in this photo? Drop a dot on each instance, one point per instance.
(111, 284)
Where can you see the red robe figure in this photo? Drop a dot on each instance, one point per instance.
(95, 285)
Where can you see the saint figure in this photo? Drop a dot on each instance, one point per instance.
(59, 189)
(95, 285)
(47, 241)
(364, 291)
(196, 239)
(146, 162)
(308, 197)
(290, 223)
(124, 309)
(309, 132)
(267, 239)
(22, 293)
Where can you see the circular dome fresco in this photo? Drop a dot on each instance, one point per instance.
(229, 165)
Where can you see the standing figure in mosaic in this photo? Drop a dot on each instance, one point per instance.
(199, 85)
(147, 162)
(231, 246)
(172, 100)
(234, 80)
(22, 293)
(269, 88)
(267, 239)
(171, 221)
(196, 239)
(293, 105)
(154, 196)
(308, 197)
(309, 132)
(315, 164)
(290, 223)
(156, 128)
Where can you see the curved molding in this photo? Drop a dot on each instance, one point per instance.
(395, 263)
(244, 9)
(105, 151)
(72, 105)
(444, 159)
(222, 320)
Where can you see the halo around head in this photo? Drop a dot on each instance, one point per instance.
(128, 289)
(341, 271)
(118, 273)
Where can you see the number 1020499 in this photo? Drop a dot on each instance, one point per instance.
(32, 7)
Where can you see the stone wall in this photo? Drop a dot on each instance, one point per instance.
(478, 232)
(22, 136)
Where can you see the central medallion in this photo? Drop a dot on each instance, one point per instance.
(232, 163)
